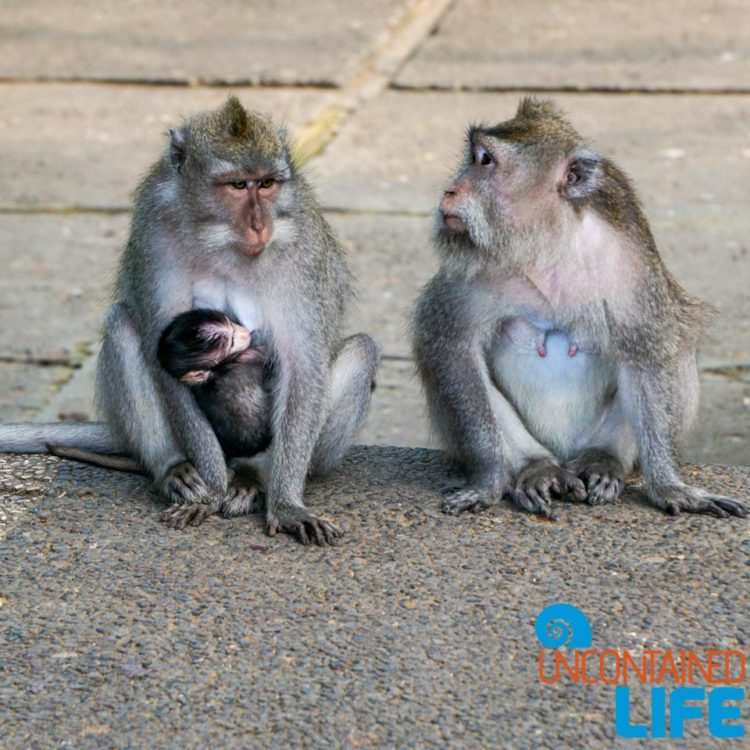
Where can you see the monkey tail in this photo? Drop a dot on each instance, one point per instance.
(36, 438)
(118, 463)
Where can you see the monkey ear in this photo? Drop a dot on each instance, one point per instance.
(177, 147)
(196, 377)
(580, 175)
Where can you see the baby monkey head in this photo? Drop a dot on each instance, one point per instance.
(197, 342)
(519, 177)
(234, 177)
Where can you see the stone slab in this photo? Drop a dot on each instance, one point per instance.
(91, 144)
(398, 414)
(283, 42)
(658, 45)
(689, 155)
(416, 631)
(391, 259)
(54, 285)
(25, 388)
(722, 430)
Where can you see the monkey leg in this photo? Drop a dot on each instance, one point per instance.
(133, 404)
(352, 382)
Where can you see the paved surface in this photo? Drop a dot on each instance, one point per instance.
(377, 97)
(416, 631)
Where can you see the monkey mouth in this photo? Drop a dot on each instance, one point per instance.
(454, 223)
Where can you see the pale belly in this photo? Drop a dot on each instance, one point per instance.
(561, 390)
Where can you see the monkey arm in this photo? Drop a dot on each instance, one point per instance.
(652, 393)
(300, 409)
(478, 425)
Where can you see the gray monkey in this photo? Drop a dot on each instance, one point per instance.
(225, 221)
(555, 349)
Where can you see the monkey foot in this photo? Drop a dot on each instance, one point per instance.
(183, 485)
(682, 498)
(471, 500)
(245, 493)
(602, 474)
(304, 525)
(539, 480)
(194, 514)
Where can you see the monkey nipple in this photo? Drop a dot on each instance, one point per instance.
(572, 349)
(541, 350)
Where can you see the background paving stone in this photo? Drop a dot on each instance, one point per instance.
(663, 44)
(229, 41)
(24, 388)
(391, 259)
(83, 145)
(54, 286)
(416, 631)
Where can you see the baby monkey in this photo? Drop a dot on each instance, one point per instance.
(230, 372)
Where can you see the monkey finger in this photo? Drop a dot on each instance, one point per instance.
(301, 533)
(317, 532)
(576, 488)
(273, 528)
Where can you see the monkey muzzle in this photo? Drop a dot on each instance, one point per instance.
(453, 223)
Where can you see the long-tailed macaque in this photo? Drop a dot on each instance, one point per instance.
(555, 349)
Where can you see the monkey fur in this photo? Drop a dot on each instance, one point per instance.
(556, 351)
(225, 221)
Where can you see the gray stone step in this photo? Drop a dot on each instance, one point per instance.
(284, 42)
(656, 45)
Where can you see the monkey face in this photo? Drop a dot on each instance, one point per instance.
(235, 178)
(519, 178)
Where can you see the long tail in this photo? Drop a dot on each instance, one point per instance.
(118, 463)
(29, 437)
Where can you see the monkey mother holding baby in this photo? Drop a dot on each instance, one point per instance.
(225, 223)
(556, 351)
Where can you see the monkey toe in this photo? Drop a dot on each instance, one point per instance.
(533, 501)
(306, 528)
(178, 516)
(467, 500)
(603, 490)
(676, 499)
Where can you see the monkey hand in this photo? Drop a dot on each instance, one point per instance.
(471, 499)
(682, 498)
(539, 480)
(191, 502)
(299, 522)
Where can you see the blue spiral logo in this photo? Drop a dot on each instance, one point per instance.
(563, 625)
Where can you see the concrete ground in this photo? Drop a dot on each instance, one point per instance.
(377, 96)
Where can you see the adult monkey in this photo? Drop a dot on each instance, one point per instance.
(555, 348)
(225, 221)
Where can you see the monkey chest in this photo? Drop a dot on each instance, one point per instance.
(236, 301)
(559, 386)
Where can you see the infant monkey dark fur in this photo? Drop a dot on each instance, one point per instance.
(230, 371)
(556, 351)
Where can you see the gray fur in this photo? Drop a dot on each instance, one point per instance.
(185, 251)
(555, 349)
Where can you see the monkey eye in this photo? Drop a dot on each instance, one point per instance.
(239, 184)
(266, 183)
(481, 155)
